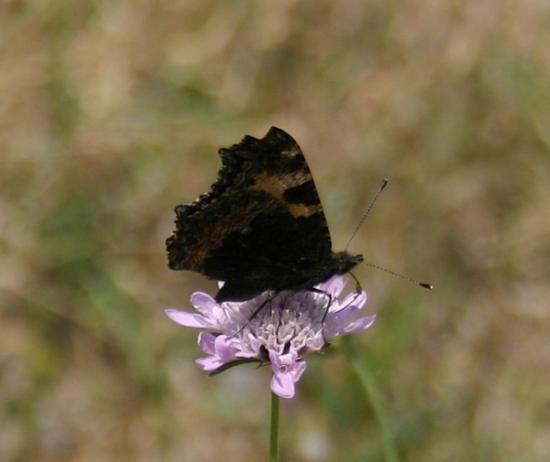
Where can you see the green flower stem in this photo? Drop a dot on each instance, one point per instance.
(274, 436)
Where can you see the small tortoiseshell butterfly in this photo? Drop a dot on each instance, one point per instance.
(261, 226)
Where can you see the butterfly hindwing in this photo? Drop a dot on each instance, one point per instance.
(261, 226)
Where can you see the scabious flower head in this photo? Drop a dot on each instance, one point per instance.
(278, 328)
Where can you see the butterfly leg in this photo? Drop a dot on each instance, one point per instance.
(256, 311)
(358, 287)
(325, 314)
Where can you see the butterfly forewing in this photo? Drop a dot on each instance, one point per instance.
(261, 226)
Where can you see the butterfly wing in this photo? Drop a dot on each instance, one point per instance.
(260, 226)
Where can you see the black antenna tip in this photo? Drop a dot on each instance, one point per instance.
(383, 184)
(426, 285)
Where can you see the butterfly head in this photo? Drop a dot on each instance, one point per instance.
(345, 262)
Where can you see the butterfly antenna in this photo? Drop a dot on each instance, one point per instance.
(383, 184)
(425, 285)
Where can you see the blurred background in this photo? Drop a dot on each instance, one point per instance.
(111, 113)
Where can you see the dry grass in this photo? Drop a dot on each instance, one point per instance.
(111, 113)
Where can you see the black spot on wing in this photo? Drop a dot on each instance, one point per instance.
(305, 193)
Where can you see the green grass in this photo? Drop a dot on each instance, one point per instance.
(112, 113)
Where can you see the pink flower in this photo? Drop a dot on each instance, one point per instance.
(288, 326)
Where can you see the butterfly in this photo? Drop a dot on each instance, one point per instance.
(261, 226)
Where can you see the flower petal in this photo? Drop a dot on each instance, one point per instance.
(333, 286)
(287, 370)
(345, 325)
(360, 324)
(188, 319)
(353, 298)
(282, 384)
(339, 318)
(316, 343)
(219, 350)
(203, 303)
(335, 322)
(207, 343)
(225, 349)
(209, 363)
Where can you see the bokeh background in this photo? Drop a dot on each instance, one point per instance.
(111, 113)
